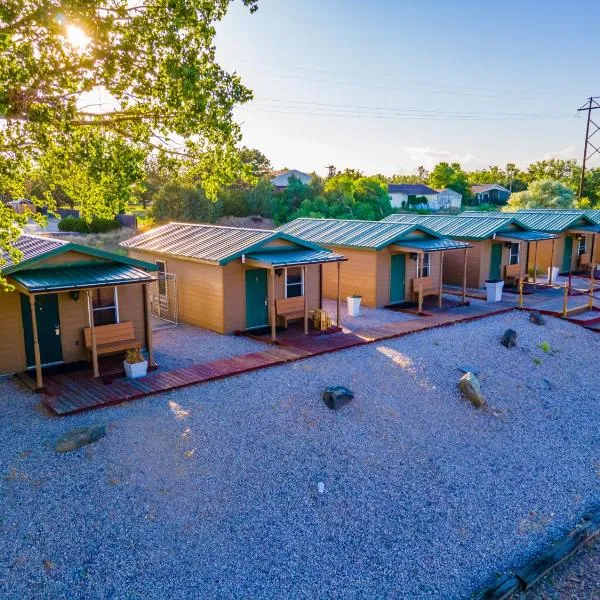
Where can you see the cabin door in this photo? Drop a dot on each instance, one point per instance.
(496, 262)
(257, 301)
(567, 255)
(48, 328)
(398, 278)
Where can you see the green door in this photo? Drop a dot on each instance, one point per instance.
(496, 261)
(48, 327)
(257, 310)
(567, 255)
(397, 278)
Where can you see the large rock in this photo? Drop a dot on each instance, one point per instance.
(537, 318)
(509, 339)
(336, 395)
(470, 387)
(80, 437)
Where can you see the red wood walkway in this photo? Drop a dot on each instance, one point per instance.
(72, 393)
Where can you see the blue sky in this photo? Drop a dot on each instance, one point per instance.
(387, 86)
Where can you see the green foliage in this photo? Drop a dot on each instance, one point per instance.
(180, 201)
(544, 347)
(511, 177)
(545, 193)
(80, 225)
(451, 176)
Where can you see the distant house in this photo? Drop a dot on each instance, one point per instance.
(281, 180)
(447, 199)
(490, 193)
(400, 194)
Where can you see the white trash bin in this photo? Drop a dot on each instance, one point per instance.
(552, 274)
(494, 289)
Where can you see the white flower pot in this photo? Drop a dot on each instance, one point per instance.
(135, 370)
(353, 306)
(494, 290)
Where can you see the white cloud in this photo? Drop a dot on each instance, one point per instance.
(565, 153)
(429, 157)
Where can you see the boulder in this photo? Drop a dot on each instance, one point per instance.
(470, 387)
(537, 318)
(80, 437)
(336, 395)
(509, 339)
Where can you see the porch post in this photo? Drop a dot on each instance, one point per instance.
(464, 294)
(535, 263)
(148, 325)
(321, 286)
(305, 302)
(591, 302)
(552, 260)
(92, 334)
(441, 274)
(337, 317)
(272, 306)
(36, 345)
(592, 255)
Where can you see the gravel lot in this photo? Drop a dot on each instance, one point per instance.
(212, 491)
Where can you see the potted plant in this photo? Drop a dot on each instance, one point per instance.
(354, 305)
(494, 289)
(135, 364)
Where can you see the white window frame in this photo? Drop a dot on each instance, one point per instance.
(114, 307)
(424, 264)
(514, 245)
(164, 295)
(295, 284)
(580, 241)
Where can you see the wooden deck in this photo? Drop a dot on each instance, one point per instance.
(73, 392)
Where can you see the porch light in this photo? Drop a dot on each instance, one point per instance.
(279, 272)
(414, 255)
(74, 295)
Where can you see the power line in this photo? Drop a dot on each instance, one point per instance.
(589, 106)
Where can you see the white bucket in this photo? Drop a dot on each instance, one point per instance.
(353, 306)
(494, 290)
(552, 274)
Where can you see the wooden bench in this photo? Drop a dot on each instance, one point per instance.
(288, 309)
(118, 337)
(423, 286)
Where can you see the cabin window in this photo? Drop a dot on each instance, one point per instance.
(514, 254)
(105, 306)
(294, 282)
(424, 265)
(581, 246)
(162, 282)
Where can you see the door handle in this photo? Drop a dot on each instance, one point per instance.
(266, 301)
(57, 330)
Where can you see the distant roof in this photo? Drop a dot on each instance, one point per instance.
(282, 179)
(211, 243)
(457, 226)
(479, 188)
(31, 246)
(411, 189)
(352, 233)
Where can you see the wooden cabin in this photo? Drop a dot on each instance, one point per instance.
(233, 279)
(500, 245)
(388, 263)
(58, 290)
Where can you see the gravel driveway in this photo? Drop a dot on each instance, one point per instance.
(212, 491)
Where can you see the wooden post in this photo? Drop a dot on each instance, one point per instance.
(321, 286)
(272, 312)
(591, 302)
(441, 274)
(39, 383)
(305, 301)
(148, 325)
(592, 253)
(552, 260)
(535, 264)
(521, 292)
(93, 334)
(565, 300)
(337, 317)
(464, 294)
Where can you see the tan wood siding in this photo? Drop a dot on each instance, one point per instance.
(68, 257)
(12, 343)
(73, 317)
(454, 266)
(132, 308)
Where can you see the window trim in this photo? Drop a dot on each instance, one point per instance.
(114, 307)
(165, 294)
(424, 264)
(294, 284)
(510, 254)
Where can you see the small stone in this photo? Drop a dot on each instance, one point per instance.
(76, 438)
(321, 487)
(468, 369)
(509, 339)
(336, 395)
(537, 318)
(470, 387)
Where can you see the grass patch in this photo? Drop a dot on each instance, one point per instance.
(544, 347)
(537, 361)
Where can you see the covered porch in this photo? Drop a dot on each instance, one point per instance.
(72, 311)
(293, 303)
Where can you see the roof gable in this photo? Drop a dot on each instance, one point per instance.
(411, 189)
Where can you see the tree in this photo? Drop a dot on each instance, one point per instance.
(450, 176)
(182, 201)
(545, 193)
(566, 171)
(421, 176)
(153, 61)
(259, 165)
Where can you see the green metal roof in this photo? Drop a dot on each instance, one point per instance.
(434, 245)
(88, 276)
(211, 243)
(295, 257)
(352, 233)
(457, 226)
(528, 236)
(553, 221)
(37, 249)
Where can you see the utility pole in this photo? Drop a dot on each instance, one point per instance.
(589, 106)
(330, 171)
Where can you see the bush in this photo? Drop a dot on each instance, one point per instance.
(79, 225)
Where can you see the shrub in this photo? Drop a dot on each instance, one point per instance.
(79, 225)
(103, 225)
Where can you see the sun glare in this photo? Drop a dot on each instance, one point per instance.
(77, 38)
